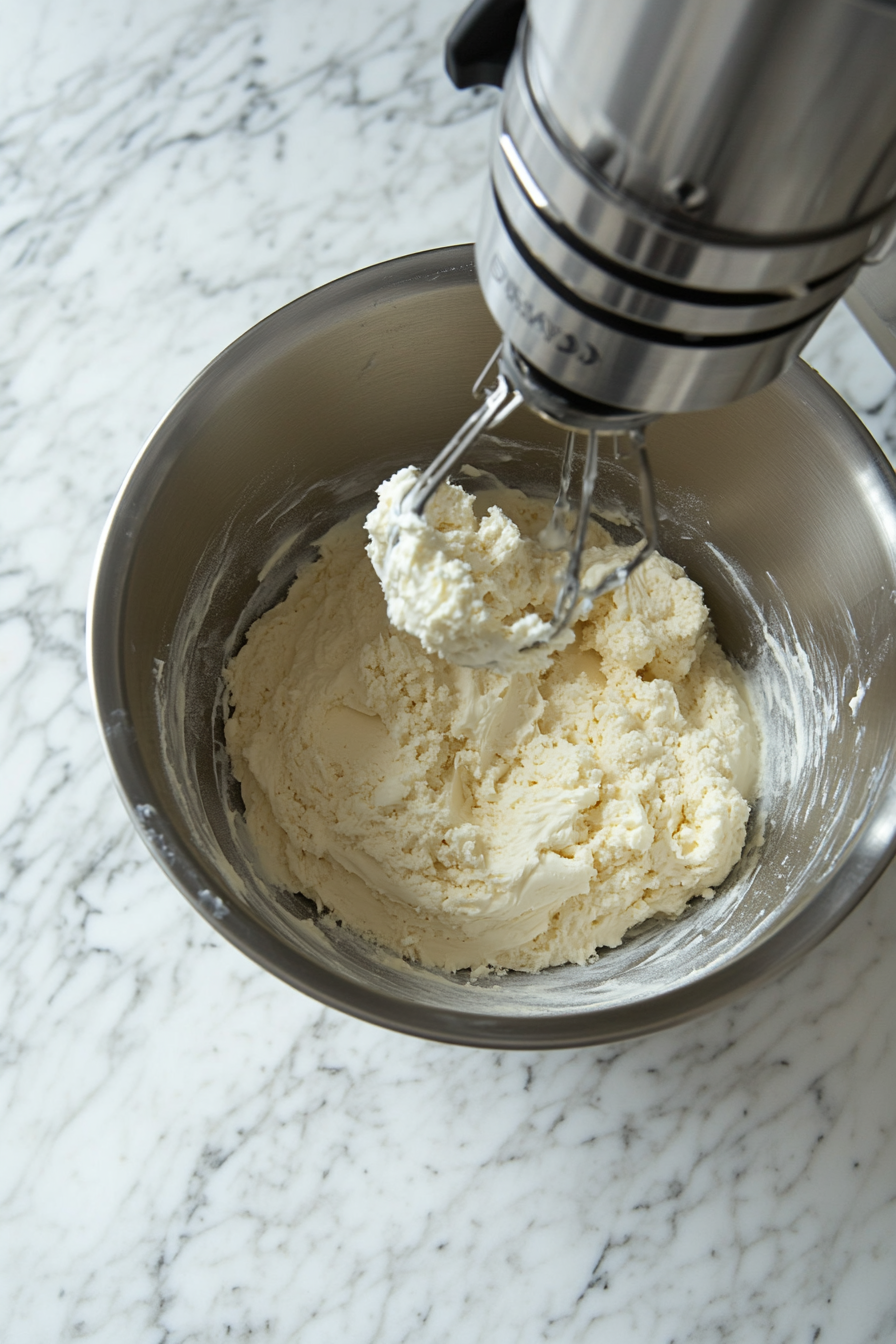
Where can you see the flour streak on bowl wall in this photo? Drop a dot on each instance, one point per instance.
(781, 507)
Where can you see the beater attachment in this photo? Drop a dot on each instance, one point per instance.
(567, 528)
(556, 535)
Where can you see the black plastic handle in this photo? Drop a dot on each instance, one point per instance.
(481, 43)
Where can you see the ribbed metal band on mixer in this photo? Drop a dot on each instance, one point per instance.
(608, 359)
(642, 297)
(618, 304)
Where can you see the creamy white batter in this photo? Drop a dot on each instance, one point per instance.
(465, 817)
(471, 586)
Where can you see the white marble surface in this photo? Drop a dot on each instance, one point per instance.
(190, 1150)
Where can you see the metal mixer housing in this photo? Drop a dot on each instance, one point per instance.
(681, 189)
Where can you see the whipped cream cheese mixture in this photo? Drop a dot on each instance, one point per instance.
(466, 816)
(471, 589)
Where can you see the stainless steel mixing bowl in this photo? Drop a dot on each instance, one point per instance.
(781, 506)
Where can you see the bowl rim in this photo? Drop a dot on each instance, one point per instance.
(863, 865)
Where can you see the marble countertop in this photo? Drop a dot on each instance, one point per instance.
(191, 1151)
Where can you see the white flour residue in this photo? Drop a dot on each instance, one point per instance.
(796, 690)
(859, 696)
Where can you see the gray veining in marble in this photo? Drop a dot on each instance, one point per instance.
(190, 1150)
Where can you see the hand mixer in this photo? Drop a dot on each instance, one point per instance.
(679, 192)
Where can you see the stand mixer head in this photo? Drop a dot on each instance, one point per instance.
(680, 190)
